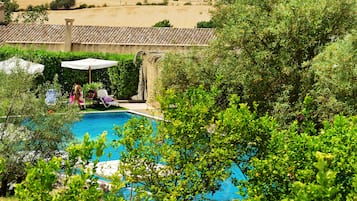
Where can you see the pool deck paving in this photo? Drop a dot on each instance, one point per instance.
(142, 108)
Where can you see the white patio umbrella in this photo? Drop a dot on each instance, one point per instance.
(14, 62)
(89, 64)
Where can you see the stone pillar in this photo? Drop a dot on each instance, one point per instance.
(2, 13)
(150, 64)
(68, 35)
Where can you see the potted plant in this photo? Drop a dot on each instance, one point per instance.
(89, 90)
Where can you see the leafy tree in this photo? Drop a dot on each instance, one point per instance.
(306, 165)
(139, 162)
(29, 129)
(264, 52)
(265, 45)
(335, 73)
(10, 7)
(181, 71)
(70, 178)
(193, 148)
(163, 23)
(31, 15)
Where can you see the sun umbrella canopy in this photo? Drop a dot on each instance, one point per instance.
(11, 64)
(89, 64)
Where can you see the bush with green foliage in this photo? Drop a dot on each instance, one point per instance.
(62, 4)
(335, 74)
(306, 165)
(163, 23)
(124, 79)
(205, 24)
(70, 178)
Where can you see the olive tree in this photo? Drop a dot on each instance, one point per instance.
(334, 72)
(264, 52)
(266, 45)
(29, 129)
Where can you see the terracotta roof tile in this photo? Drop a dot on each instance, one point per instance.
(105, 34)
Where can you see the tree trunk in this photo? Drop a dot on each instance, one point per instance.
(3, 187)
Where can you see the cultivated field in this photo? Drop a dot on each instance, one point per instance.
(127, 13)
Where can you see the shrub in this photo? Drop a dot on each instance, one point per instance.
(83, 6)
(163, 23)
(206, 24)
(62, 4)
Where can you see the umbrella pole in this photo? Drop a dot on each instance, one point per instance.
(89, 75)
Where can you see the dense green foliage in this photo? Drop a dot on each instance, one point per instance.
(334, 73)
(122, 80)
(295, 60)
(267, 46)
(28, 130)
(193, 148)
(307, 165)
(205, 24)
(70, 178)
(264, 52)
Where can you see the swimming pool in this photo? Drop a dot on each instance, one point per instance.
(96, 123)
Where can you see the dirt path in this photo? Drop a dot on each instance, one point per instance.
(126, 13)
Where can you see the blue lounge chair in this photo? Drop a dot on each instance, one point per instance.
(51, 97)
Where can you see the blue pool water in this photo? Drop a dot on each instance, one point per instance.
(95, 123)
